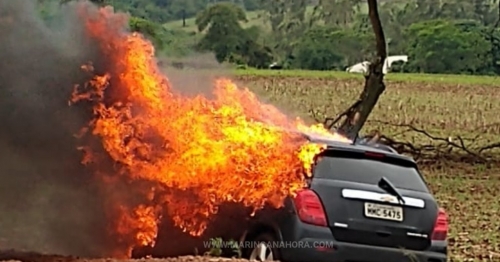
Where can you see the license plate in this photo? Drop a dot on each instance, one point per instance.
(383, 212)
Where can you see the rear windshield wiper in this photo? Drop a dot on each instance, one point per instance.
(388, 187)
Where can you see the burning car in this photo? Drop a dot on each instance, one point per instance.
(362, 203)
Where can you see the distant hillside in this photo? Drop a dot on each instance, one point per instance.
(255, 18)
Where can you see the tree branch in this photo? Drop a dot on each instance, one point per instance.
(329, 122)
(443, 149)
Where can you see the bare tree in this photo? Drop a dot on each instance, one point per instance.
(356, 115)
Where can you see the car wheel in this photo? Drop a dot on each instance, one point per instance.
(263, 250)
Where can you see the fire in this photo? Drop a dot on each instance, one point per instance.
(232, 148)
(307, 153)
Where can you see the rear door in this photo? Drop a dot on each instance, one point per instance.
(359, 211)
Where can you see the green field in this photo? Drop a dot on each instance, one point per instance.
(445, 106)
(394, 77)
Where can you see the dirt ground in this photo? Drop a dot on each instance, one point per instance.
(177, 259)
(19, 256)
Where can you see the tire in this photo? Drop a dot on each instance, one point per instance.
(261, 251)
(142, 252)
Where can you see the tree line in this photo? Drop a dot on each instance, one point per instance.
(447, 36)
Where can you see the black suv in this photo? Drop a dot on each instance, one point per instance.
(363, 204)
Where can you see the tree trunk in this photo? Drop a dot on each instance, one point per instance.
(183, 17)
(357, 115)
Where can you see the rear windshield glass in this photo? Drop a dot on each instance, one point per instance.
(369, 172)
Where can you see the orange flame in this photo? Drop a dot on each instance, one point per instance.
(231, 148)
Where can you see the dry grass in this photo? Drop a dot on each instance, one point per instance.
(445, 109)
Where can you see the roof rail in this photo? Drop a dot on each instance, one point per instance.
(364, 141)
(384, 147)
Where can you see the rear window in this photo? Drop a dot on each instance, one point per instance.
(369, 171)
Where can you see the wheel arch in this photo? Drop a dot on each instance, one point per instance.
(260, 228)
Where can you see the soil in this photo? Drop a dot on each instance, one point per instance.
(26, 256)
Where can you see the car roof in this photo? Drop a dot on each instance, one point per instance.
(358, 147)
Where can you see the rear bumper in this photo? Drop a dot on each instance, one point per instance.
(320, 250)
(313, 243)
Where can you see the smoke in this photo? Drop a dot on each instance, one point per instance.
(49, 203)
(195, 74)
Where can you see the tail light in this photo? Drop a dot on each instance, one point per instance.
(309, 208)
(441, 227)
